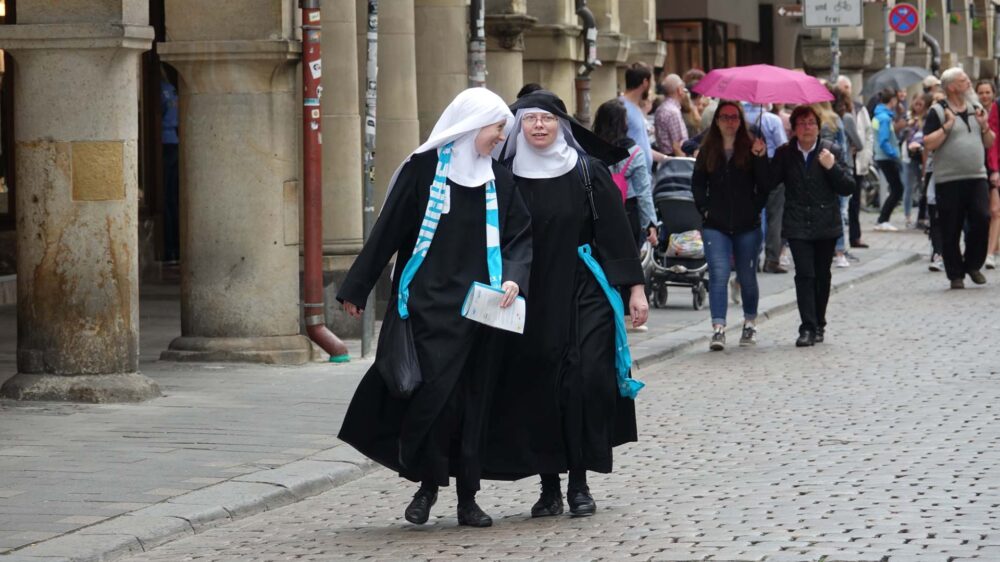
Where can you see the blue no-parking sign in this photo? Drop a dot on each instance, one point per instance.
(904, 19)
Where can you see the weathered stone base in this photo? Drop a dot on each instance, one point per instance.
(94, 389)
(274, 350)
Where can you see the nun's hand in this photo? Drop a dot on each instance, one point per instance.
(637, 305)
(352, 309)
(510, 291)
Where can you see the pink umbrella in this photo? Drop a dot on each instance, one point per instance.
(762, 83)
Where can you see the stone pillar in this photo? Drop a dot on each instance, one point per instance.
(506, 21)
(239, 180)
(638, 21)
(855, 56)
(76, 133)
(612, 51)
(342, 158)
(397, 129)
(442, 45)
(982, 38)
(553, 48)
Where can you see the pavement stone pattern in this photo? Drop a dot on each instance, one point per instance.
(879, 445)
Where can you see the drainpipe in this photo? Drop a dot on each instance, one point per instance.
(590, 62)
(312, 189)
(935, 52)
(477, 44)
(368, 200)
(996, 34)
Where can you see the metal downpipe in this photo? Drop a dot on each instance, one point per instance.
(590, 62)
(935, 52)
(312, 187)
(477, 44)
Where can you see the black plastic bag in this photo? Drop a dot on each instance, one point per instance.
(396, 356)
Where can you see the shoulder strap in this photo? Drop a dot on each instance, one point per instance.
(583, 168)
(630, 157)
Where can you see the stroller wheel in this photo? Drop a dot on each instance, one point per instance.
(660, 296)
(698, 294)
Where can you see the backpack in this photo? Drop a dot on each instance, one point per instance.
(619, 177)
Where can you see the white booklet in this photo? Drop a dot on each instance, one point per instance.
(482, 304)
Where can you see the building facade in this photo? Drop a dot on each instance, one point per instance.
(84, 202)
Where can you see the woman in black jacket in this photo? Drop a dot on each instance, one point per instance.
(730, 185)
(814, 175)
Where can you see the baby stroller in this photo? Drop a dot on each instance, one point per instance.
(677, 212)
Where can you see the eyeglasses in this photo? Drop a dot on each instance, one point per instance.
(809, 123)
(732, 118)
(532, 118)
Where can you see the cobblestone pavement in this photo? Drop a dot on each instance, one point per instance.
(879, 445)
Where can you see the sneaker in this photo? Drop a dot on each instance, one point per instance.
(734, 290)
(785, 260)
(977, 277)
(718, 342)
(991, 262)
(749, 335)
(885, 227)
(841, 261)
(936, 263)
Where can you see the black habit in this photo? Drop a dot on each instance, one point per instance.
(556, 404)
(439, 430)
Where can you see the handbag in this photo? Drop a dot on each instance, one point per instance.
(396, 356)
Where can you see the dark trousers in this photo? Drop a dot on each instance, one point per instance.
(632, 212)
(959, 203)
(813, 259)
(775, 209)
(171, 204)
(890, 168)
(854, 211)
(934, 232)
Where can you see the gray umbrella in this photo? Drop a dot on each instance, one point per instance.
(897, 78)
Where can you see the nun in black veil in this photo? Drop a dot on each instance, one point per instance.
(558, 405)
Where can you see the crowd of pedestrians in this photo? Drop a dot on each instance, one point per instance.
(523, 200)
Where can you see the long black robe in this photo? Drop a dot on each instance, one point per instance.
(439, 430)
(556, 404)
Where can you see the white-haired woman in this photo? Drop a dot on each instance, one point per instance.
(445, 206)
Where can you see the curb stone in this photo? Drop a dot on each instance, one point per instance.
(188, 514)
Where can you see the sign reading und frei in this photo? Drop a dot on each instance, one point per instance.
(903, 19)
(831, 13)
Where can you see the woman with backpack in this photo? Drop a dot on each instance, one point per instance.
(730, 184)
(630, 175)
(564, 398)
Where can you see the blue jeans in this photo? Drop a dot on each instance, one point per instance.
(722, 251)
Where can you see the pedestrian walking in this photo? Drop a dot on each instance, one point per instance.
(638, 78)
(986, 92)
(731, 183)
(887, 156)
(768, 125)
(557, 406)
(671, 130)
(814, 175)
(957, 130)
(453, 216)
(832, 129)
(863, 146)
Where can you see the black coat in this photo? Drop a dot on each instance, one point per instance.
(438, 431)
(731, 198)
(812, 206)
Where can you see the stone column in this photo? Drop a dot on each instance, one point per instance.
(342, 159)
(397, 128)
(982, 38)
(855, 56)
(506, 21)
(553, 48)
(76, 133)
(239, 180)
(442, 56)
(638, 21)
(612, 51)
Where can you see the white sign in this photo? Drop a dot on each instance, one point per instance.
(832, 13)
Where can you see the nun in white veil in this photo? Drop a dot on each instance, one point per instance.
(439, 220)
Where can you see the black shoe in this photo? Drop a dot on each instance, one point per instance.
(977, 277)
(774, 267)
(470, 515)
(581, 503)
(858, 244)
(420, 508)
(820, 332)
(549, 503)
(806, 338)
(957, 284)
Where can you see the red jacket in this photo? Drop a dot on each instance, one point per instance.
(993, 152)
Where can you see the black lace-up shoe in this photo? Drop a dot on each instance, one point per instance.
(581, 503)
(420, 508)
(820, 335)
(549, 503)
(806, 338)
(470, 515)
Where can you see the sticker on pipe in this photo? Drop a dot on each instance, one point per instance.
(316, 69)
(313, 17)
